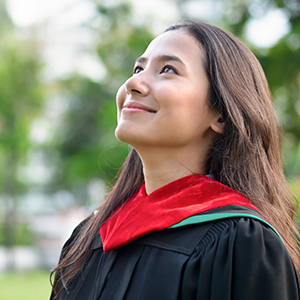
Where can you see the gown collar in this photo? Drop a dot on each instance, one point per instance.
(165, 207)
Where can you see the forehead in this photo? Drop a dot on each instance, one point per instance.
(177, 43)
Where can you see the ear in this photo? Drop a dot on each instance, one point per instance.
(218, 124)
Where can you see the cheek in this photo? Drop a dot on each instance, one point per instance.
(187, 109)
(120, 98)
(184, 101)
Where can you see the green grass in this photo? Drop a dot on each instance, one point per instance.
(33, 285)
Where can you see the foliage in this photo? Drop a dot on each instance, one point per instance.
(282, 67)
(20, 100)
(23, 235)
(281, 64)
(86, 134)
(294, 185)
(83, 145)
(85, 141)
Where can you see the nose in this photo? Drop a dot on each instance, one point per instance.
(137, 85)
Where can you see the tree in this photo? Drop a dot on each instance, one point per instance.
(20, 99)
(88, 125)
(280, 62)
(87, 132)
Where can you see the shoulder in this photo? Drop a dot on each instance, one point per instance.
(247, 240)
(242, 258)
(74, 237)
(207, 230)
(238, 226)
(243, 229)
(244, 240)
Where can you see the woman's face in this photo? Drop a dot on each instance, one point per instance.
(164, 103)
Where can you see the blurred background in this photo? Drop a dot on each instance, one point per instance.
(61, 63)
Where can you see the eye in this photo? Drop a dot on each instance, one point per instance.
(137, 69)
(169, 69)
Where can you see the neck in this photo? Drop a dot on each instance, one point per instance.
(161, 168)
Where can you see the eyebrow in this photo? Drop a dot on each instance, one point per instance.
(162, 58)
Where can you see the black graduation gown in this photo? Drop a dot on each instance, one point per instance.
(230, 259)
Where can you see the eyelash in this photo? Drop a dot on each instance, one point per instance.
(137, 68)
(162, 71)
(169, 67)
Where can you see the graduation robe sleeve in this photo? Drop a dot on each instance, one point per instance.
(230, 259)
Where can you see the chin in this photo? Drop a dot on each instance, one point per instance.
(133, 137)
(124, 135)
(118, 134)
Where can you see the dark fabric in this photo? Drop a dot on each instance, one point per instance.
(231, 259)
(166, 206)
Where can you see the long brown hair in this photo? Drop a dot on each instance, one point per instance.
(246, 157)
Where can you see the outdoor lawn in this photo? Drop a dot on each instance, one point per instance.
(33, 285)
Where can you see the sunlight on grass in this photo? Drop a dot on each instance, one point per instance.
(33, 285)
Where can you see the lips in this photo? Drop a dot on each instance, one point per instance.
(136, 107)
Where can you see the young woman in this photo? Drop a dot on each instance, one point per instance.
(201, 209)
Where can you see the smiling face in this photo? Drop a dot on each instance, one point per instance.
(164, 103)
